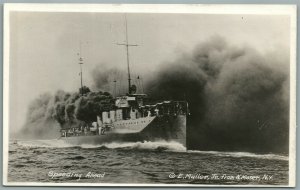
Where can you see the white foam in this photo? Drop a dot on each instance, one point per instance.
(171, 146)
(242, 154)
(53, 143)
(56, 143)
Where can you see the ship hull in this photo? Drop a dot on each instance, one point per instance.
(166, 128)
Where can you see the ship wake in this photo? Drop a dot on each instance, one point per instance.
(168, 146)
(160, 146)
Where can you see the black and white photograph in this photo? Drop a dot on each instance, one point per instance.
(149, 95)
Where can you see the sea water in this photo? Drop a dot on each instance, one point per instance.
(160, 162)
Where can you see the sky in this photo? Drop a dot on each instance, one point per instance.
(44, 46)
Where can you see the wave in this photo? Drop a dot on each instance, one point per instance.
(149, 145)
(242, 154)
(171, 146)
(163, 146)
(52, 143)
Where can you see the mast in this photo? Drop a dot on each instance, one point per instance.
(127, 54)
(80, 64)
(115, 88)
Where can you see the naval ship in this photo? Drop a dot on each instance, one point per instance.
(131, 120)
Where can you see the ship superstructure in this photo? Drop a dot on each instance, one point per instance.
(131, 119)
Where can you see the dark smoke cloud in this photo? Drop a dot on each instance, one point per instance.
(49, 113)
(237, 97)
(104, 78)
(39, 122)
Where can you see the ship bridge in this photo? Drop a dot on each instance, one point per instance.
(132, 100)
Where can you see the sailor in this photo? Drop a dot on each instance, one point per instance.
(85, 130)
(102, 130)
(156, 111)
(99, 130)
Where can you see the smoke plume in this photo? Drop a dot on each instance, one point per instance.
(39, 122)
(237, 96)
(49, 113)
(109, 80)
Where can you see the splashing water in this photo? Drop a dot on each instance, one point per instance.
(147, 145)
(136, 162)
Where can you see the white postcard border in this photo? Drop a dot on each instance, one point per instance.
(154, 8)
